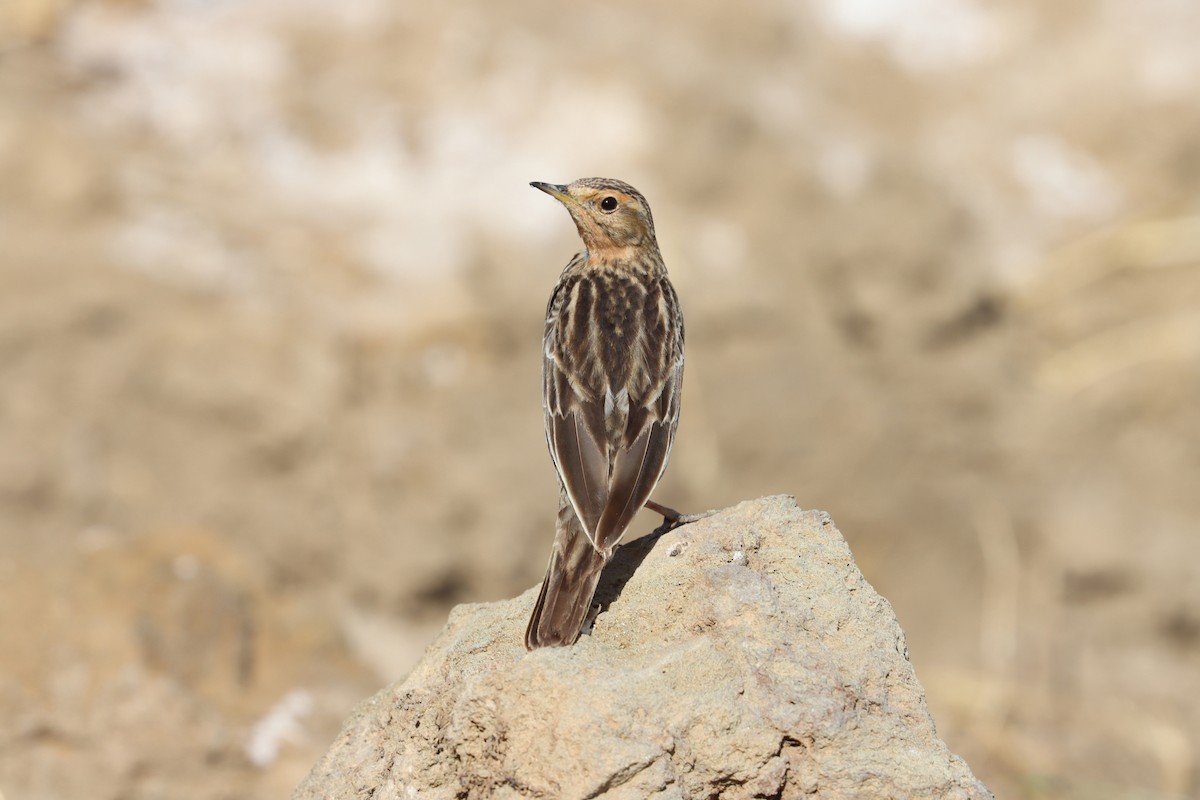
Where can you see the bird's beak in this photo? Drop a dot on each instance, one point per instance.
(555, 190)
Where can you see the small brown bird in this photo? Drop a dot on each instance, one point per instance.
(611, 376)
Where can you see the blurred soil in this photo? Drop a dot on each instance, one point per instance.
(271, 291)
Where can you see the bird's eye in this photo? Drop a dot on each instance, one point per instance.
(608, 204)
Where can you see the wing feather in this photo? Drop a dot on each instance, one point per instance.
(583, 467)
(635, 474)
(610, 456)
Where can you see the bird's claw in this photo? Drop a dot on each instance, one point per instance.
(672, 519)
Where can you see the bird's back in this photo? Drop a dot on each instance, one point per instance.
(620, 328)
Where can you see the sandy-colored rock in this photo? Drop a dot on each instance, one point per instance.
(741, 656)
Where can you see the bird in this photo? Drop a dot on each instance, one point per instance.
(612, 371)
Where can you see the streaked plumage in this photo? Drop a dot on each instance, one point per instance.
(612, 371)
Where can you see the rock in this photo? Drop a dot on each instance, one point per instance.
(740, 656)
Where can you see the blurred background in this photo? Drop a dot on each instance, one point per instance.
(271, 296)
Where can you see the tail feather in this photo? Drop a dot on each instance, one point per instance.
(570, 584)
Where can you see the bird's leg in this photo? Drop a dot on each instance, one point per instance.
(673, 519)
(589, 621)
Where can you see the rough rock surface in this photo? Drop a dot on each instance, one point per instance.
(740, 656)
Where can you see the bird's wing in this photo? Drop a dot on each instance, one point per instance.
(650, 432)
(574, 415)
(582, 464)
(608, 479)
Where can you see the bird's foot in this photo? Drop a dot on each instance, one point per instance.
(672, 519)
(590, 620)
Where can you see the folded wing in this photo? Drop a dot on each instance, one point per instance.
(610, 455)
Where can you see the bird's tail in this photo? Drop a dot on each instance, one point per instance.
(570, 583)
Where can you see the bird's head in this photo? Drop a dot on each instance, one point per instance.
(610, 214)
